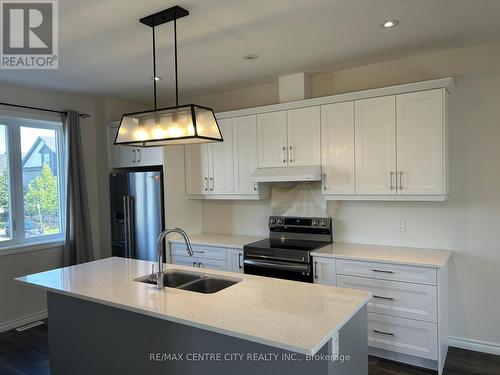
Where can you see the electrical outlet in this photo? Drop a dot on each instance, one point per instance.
(401, 225)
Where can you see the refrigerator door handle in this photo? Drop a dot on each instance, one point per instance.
(126, 221)
(131, 229)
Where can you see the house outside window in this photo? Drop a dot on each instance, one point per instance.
(31, 186)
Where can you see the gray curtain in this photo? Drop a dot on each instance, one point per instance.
(78, 245)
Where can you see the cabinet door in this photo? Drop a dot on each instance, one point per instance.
(196, 159)
(272, 144)
(420, 153)
(235, 260)
(324, 271)
(337, 148)
(212, 264)
(149, 156)
(375, 146)
(221, 161)
(304, 144)
(245, 154)
(119, 156)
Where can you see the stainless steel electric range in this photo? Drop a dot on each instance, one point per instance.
(286, 254)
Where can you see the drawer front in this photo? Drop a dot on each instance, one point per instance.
(396, 272)
(403, 335)
(209, 252)
(185, 261)
(405, 300)
(213, 264)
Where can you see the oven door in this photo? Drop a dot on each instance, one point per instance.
(280, 270)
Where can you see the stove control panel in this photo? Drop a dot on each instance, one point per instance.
(312, 228)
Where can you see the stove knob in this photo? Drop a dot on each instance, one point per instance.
(281, 221)
(315, 223)
(323, 223)
(273, 221)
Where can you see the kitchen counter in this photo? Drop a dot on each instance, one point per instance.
(298, 317)
(386, 254)
(220, 240)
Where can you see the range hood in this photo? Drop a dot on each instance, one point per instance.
(287, 174)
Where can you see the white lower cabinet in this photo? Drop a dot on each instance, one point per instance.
(210, 257)
(407, 315)
(324, 271)
(235, 260)
(405, 336)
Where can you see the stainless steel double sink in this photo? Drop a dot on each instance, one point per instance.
(191, 281)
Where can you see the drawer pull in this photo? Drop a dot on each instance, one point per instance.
(385, 298)
(199, 251)
(383, 333)
(383, 271)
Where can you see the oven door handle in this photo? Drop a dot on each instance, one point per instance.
(277, 265)
(302, 259)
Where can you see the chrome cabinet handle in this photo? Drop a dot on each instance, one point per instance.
(290, 155)
(283, 154)
(138, 156)
(135, 156)
(382, 271)
(240, 256)
(205, 184)
(383, 333)
(194, 264)
(200, 265)
(324, 182)
(212, 183)
(392, 178)
(384, 298)
(315, 270)
(400, 180)
(254, 186)
(199, 251)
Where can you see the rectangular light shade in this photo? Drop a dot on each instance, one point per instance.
(186, 124)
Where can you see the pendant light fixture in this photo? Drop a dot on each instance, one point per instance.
(182, 124)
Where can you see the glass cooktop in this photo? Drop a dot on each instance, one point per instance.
(287, 244)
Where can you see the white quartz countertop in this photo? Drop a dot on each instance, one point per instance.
(386, 254)
(220, 240)
(290, 315)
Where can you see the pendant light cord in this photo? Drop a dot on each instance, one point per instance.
(154, 68)
(176, 78)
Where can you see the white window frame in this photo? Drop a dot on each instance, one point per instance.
(14, 121)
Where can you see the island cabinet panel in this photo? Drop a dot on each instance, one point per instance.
(210, 257)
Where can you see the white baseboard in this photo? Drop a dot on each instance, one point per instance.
(475, 345)
(11, 324)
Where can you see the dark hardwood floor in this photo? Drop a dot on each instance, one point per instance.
(27, 353)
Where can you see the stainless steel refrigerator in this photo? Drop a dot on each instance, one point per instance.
(137, 212)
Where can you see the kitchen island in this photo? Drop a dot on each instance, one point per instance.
(103, 321)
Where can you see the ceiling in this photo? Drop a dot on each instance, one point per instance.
(105, 51)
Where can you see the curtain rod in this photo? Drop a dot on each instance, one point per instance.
(82, 115)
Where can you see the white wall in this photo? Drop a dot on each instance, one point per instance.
(468, 223)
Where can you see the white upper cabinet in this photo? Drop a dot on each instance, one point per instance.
(337, 148)
(375, 145)
(272, 143)
(303, 126)
(196, 167)
(245, 154)
(220, 161)
(420, 136)
(127, 156)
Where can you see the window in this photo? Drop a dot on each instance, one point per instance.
(31, 186)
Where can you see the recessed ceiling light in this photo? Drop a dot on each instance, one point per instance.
(390, 24)
(251, 56)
